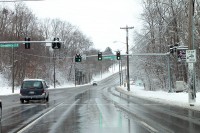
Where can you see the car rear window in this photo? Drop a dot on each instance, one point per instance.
(32, 84)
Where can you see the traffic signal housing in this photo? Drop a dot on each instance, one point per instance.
(56, 45)
(78, 58)
(100, 56)
(27, 44)
(118, 55)
(171, 49)
(175, 47)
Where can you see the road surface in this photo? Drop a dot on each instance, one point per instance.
(95, 109)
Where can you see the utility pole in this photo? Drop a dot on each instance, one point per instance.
(127, 51)
(191, 74)
(13, 71)
(54, 69)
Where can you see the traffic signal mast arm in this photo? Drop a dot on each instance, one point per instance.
(14, 42)
(136, 54)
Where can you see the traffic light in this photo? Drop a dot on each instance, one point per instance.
(27, 44)
(78, 58)
(100, 56)
(171, 49)
(175, 47)
(56, 45)
(118, 55)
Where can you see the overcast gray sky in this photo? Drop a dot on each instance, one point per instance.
(98, 19)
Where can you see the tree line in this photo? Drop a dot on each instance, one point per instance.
(40, 60)
(165, 23)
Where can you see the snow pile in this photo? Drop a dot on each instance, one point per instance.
(177, 99)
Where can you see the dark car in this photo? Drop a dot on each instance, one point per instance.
(34, 89)
(94, 83)
(0, 110)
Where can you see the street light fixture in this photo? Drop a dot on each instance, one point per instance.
(119, 41)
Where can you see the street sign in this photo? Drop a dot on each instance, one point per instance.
(84, 56)
(181, 54)
(111, 57)
(191, 56)
(9, 45)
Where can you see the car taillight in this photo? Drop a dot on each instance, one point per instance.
(43, 92)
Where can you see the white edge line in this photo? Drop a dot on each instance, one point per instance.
(33, 122)
(148, 126)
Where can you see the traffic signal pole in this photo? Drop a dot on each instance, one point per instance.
(191, 72)
(169, 72)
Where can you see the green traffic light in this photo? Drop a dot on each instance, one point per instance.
(118, 55)
(100, 56)
(78, 59)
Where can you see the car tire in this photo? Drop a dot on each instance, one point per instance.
(22, 101)
(47, 99)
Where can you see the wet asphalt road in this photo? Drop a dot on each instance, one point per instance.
(95, 109)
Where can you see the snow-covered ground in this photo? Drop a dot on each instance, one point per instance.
(177, 99)
(7, 90)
